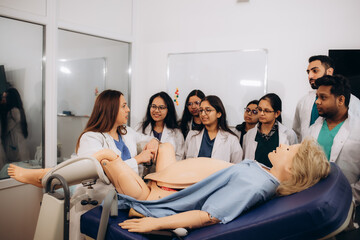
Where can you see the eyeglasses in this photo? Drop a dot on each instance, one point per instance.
(249, 111)
(207, 111)
(265, 111)
(189, 104)
(160, 108)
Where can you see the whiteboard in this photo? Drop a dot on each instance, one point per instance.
(79, 81)
(236, 77)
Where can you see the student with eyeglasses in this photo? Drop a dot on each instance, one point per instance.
(269, 133)
(190, 119)
(161, 122)
(251, 118)
(215, 139)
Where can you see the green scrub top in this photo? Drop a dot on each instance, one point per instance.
(326, 137)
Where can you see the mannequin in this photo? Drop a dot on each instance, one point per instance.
(293, 171)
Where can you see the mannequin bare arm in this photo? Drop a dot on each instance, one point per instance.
(153, 146)
(189, 219)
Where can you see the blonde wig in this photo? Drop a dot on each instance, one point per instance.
(309, 166)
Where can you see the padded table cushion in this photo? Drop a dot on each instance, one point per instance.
(310, 214)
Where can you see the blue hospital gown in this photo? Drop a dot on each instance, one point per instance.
(224, 195)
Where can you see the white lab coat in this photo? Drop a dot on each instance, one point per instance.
(303, 112)
(345, 151)
(286, 136)
(91, 142)
(173, 136)
(226, 146)
(190, 124)
(238, 133)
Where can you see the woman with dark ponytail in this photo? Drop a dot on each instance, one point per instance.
(269, 132)
(190, 119)
(251, 118)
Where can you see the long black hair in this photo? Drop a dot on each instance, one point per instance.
(187, 116)
(13, 100)
(275, 103)
(170, 120)
(216, 103)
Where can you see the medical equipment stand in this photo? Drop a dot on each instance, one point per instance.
(53, 221)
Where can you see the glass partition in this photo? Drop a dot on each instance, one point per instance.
(86, 66)
(21, 88)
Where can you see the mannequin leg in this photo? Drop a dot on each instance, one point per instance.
(124, 179)
(166, 156)
(24, 175)
(35, 176)
(105, 154)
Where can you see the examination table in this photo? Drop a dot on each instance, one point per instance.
(319, 212)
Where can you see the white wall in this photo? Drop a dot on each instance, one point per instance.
(36, 7)
(292, 31)
(111, 18)
(19, 210)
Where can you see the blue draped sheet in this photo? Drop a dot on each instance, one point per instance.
(224, 195)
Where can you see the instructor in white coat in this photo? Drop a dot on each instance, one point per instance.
(106, 129)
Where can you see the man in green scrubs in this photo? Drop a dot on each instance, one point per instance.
(338, 129)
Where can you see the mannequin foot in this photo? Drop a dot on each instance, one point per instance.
(24, 175)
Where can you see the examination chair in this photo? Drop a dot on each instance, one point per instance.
(319, 212)
(54, 216)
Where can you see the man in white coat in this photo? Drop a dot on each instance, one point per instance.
(306, 112)
(337, 129)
